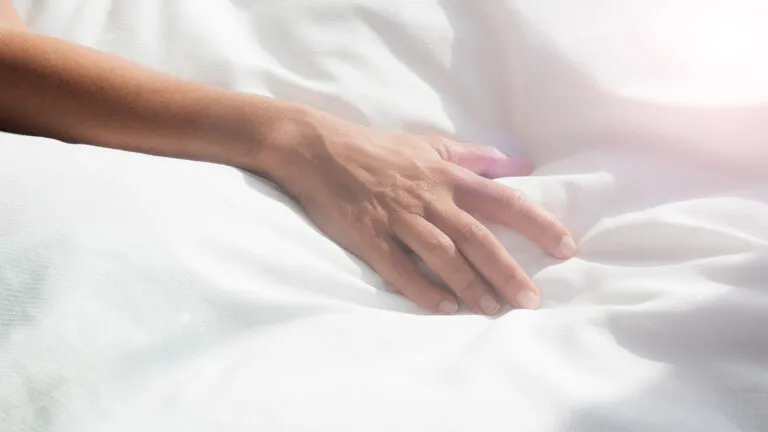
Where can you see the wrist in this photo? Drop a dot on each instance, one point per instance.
(240, 130)
(282, 135)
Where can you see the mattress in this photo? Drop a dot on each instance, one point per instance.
(144, 293)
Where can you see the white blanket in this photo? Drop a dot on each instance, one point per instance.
(149, 294)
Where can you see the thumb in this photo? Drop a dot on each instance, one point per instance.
(481, 159)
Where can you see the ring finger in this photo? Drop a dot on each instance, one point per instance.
(442, 256)
(489, 257)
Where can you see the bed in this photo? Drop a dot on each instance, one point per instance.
(143, 293)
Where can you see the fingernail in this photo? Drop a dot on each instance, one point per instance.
(489, 305)
(527, 300)
(567, 248)
(449, 306)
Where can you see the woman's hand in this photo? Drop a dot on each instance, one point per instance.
(381, 194)
(378, 194)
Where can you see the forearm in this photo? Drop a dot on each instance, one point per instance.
(57, 89)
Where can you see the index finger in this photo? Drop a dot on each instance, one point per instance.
(500, 204)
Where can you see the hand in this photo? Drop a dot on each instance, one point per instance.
(380, 195)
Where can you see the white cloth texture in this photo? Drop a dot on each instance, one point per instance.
(140, 293)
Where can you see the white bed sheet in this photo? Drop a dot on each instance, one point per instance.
(141, 293)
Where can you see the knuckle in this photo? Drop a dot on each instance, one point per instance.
(444, 147)
(468, 285)
(474, 232)
(439, 244)
(515, 200)
(451, 173)
(404, 289)
(510, 279)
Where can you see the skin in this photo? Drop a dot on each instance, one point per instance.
(380, 195)
(9, 16)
